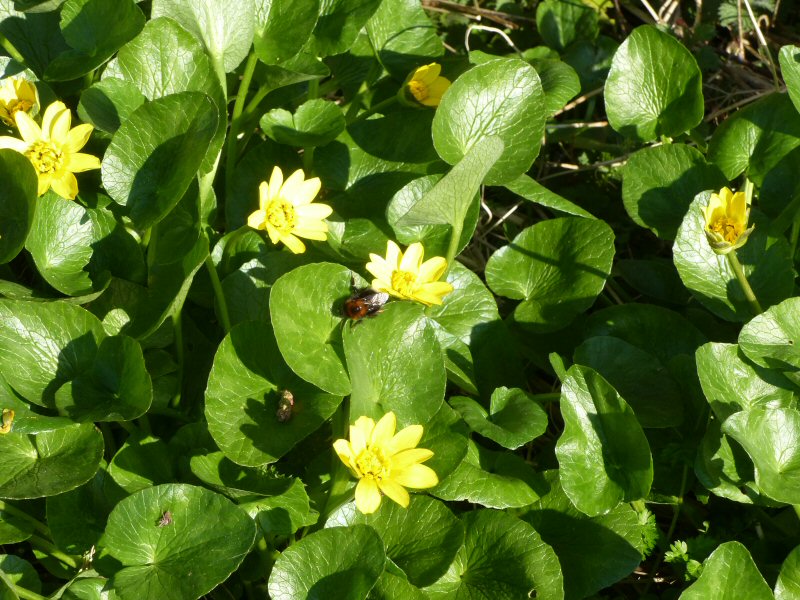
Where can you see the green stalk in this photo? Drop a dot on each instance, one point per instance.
(6, 44)
(238, 107)
(23, 593)
(738, 271)
(21, 514)
(373, 109)
(50, 549)
(218, 294)
(177, 327)
(340, 476)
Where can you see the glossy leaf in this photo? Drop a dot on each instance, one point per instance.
(557, 267)
(603, 453)
(315, 123)
(502, 98)
(17, 202)
(532, 190)
(185, 557)
(562, 23)
(244, 388)
(789, 57)
(156, 153)
(339, 23)
(338, 561)
(771, 339)
(729, 574)
(654, 87)
(284, 28)
(788, 585)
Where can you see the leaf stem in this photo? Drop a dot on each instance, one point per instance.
(24, 593)
(238, 107)
(50, 548)
(21, 514)
(218, 294)
(373, 109)
(9, 47)
(308, 151)
(738, 271)
(340, 476)
(177, 327)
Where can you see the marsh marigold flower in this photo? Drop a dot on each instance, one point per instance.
(726, 217)
(6, 420)
(17, 95)
(424, 86)
(384, 461)
(286, 211)
(53, 149)
(405, 276)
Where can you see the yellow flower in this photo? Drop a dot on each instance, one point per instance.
(7, 420)
(286, 210)
(424, 86)
(53, 149)
(406, 276)
(384, 461)
(17, 94)
(726, 217)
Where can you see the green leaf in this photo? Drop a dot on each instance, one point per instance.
(766, 262)
(731, 383)
(557, 267)
(109, 102)
(421, 539)
(658, 184)
(184, 558)
(395, 364)
(283, 513)
(95, 29)
(756, 138)
(504, 555)
(335, 562)
(654, 87)
(306, 308)
(14, 529)
(37, 37)
(17, 202)
(18, 572)
(244, 388)
(724, 468)
(492, 479)
(446, 436)
(85, 588)
(284, 29)
(44, 345)
(156, 153)
(788, 585)
(339, 24)
(771, 339)
(560, 23)
(769, 436)
(403, 37)
(49, 463)
(77, 518)
(603, 452)
(532, 190)
(225, 27)
(315, 123)
(142, 462)
(789, 58)
(560, 82)
(503, 98)
(729, 574)
(449, 201)
(594, 552)
(639, 377)
(514, 417)
(116, 387)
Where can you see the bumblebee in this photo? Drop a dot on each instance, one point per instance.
(364, 302)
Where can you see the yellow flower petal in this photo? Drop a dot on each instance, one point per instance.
(291, 185)
(344, 451)
(403, 460)
(312, 234)
(77, 137)
(65, 185)
(275, 183)
(50, 113)
(27, 127)
(384, 430)
(293, 243)
(368, 496)
(406, 438)
(427, 74)
(307, 191)
(360, 432)
(263, 196)
(314, 211)
(79, 162)
(432, 270)
(13, 144)
(395, 491)
(412, 259)
(417, 476)
(59, 128)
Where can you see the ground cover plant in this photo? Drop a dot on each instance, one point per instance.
(399, 299)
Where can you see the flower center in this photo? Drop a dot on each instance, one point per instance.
(418, 89)
(727, 228)
(373, 464)
(281, 215)
(404, 282)
(14, 107)
(46, 158)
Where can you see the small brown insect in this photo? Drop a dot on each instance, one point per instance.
(365, 302)
(166, 519)
(285, 406)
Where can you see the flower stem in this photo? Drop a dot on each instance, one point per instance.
(6, 44)
(238, 107)
(374, 109)
(25, 594)
(21, 514)
(738, 271)
(218, 294)
(50, 548)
